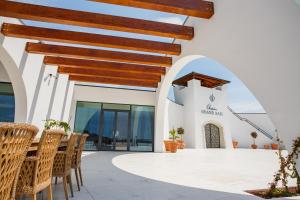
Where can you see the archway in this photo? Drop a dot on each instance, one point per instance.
(162, 106)
(18, 85)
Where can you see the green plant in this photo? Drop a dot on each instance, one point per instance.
(173, 134)
(291, 159)
(180, 131)
(56, 124)
(254, 136)
(287, 169)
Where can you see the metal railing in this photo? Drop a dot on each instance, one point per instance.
(251, 124)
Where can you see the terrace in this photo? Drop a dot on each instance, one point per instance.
(103, 70)
(115, 175)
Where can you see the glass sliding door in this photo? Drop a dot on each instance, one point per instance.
(117, 127)
(122, 128)
(7, 103)
(87, 121)
(142, 128)
(108, 130)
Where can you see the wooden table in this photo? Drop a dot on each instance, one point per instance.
(34, 145)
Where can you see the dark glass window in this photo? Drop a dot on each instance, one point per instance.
(112, 132)
(87, 121)
(7, 103)
(142, 128)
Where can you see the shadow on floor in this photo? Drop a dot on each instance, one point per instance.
(104, 181)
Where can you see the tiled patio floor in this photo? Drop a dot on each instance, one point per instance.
(187, 175)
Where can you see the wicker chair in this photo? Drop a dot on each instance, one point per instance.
(36, 171)
(62, 164)
(15, 139)
(76, 161)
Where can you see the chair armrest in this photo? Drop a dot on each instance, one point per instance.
(61, 152)
(31, 158)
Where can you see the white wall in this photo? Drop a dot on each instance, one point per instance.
(195, 99)
(3, 74)
(12, 65)
(175, 113)
(113, 95)
(262, 120)
(240, 130)
(258, 41)
(37, 96)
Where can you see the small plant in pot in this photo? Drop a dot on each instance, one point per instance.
(167, 145)
(276, 142)
(173, 144)
(254, 136)
(275, 145)
(56, 124)
(181, 144)
(235, 144)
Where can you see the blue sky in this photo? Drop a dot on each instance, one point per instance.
(240, 98)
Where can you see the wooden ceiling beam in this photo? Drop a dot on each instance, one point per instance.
(195, 8)
(108, 73)
(96, 54)
(55, 35)
(103, 65)
(114, 81)
(94, 20)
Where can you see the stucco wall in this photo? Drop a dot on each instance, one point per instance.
(175, 113)
(258, 41)
(37, 95)
(3, 74)
(262, 120)
(240, 130)
(195, 99)
(113, 95)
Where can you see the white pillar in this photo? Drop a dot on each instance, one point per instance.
(60, 92)
(44, 97)
(68, 103)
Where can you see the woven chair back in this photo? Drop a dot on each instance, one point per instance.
(15, 139)
(46, 152)
(82, 140)
(70, 151)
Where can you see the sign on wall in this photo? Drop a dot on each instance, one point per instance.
(210, 108)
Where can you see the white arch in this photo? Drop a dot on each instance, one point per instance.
(261, 48)
(16, 79)
(162, 106)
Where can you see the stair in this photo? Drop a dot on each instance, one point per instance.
(268, 135)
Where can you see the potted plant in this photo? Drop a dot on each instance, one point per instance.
(167, 145)
(254, 136)
(276, 141)
(275, 145)
(266, 146)
(235, 144)
(181, 144)
(56, 124)
(173, 144)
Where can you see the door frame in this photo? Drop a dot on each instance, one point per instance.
(130, 114)
(219, 131)
(116, 111)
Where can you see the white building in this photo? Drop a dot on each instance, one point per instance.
(201, 108)
(262, 53)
